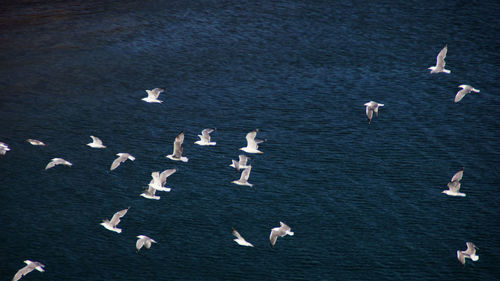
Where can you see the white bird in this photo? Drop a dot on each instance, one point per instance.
(454, 185)
(279, 231)
(57, 161)
(252, 143)
(153, 95)
(30, 266)
(35, 142)
(177, 153)
(244, 177)
(122, 157)
(205, 137)
(240, 240)
(372, 107)
(143, 241)
(159, 180)
(440, 63)
(241, 164)
(469, 253)
(115, 220)
(96, 143)
(465, 90)
(150, 192)
(3, 148)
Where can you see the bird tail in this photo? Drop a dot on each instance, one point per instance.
(446, 71)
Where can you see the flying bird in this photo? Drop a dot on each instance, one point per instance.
(143, 241)
(3, 148)
(115, 220)
(122, 157)
(252, 143)
(465, 90)
(205, 137)
(240, 240)
(159, 180)
(440, 63)
(30, 266)
(372, 107)
(96, 143)
(454, 185)
(35, 142)
(279, 231)
(150, 192)
(241, 164)
(153, 95)
(177, 153)
(244, 177)
(470, 253)
(57, 161)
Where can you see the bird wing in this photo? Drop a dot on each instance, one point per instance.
(471, 249)
(441, 56)
(237, 234)
(116, 217)
(96, 140)
(273, 236)
(284, 227)
(369, 112)
(50, 165)
(139, 243)
(23, 271)
(178, 145)
(236, 164)
(461, 94)
(454, 186)
(243, 160)
(460, 257)
(151, 190)
(206, 134)
(118, 161)
(251, 139)
(245, 174)
(165, 174)
(156, 92)
(458, 175)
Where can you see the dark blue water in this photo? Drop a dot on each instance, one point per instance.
(364, 200)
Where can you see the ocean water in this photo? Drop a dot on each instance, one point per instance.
(364, 200)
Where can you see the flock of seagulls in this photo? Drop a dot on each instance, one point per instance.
(454, 185)
(159, 179)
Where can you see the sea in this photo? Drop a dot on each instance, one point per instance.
(364, 199)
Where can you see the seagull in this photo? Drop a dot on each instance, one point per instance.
(96, 143)
(279, 231)
(440, 63)
(115, 220)
(35, 142)
(469, 253)
(57, 161)
(159, 180)
(465, 90)
(252, 143)
(3, 148)
(153, 95)
(370, 108)
(244, 177)
(240, 240)
(143, 241)
(122, 157)
(241, 164)
(454, 185)
(30, 266)
(150, 192)
(205, 137)
(177, 154)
